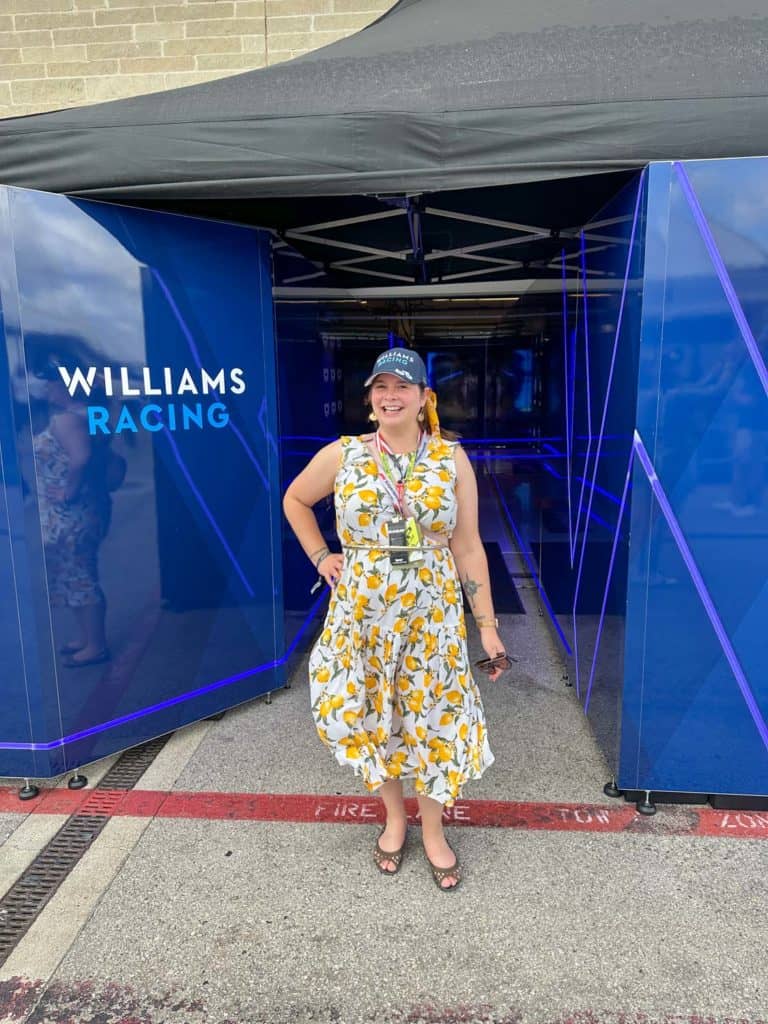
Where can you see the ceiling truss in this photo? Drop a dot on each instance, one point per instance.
(375, 261)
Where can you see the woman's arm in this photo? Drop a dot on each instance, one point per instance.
(469, 555)
(70, 431)
(314, 482)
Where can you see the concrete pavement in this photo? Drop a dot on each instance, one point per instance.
(208, 921)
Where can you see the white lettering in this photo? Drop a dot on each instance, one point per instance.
(187, 383)
(751, 821)
(73, 381)
(236, 379)
(213, 383)
(148, 389)
(125, 385)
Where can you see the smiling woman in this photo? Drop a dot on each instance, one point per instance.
(391, 684)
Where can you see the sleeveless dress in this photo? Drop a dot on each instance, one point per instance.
(390, 681)
(72, 531)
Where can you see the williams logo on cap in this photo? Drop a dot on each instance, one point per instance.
(403, 363)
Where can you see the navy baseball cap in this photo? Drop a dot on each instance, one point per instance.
(403, 362)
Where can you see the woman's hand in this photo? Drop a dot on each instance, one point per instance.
(493, 647)
(330, 568)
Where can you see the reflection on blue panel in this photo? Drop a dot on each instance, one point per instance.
(140, 356)
(584, 509)
(310, 416)
(696, 698)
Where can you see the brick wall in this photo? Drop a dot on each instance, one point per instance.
(62, 53)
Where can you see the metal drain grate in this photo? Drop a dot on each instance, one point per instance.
(131, 765)
(28, 896)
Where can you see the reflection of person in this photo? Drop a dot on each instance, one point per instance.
(748, 449)
(73, 482)
(391, 685)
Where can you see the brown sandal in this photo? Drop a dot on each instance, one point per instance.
(388, 856)
(440, 874)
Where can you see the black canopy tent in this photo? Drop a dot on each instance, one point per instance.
(435, 95)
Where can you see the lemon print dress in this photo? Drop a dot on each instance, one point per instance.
(391, 686)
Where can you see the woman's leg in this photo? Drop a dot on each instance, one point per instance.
(394, 834)
(435, 844)
(90, 623)
(82, 630)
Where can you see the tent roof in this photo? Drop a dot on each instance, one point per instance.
(436, 94)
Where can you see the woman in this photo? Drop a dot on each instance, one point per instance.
(391, 685)
(73, 484)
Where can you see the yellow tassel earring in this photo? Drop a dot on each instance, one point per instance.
(430, 409)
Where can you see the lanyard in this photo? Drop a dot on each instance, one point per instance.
(388, 476)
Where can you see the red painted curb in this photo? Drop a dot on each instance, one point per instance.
(351, 810)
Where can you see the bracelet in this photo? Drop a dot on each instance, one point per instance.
(490, 622)
(319, 556)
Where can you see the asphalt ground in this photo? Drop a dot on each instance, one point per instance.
(196, 908)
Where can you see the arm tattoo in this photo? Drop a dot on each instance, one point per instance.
(470, 589)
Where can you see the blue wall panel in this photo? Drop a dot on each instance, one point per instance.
(169, 319)
(584, 571)
(696, 697)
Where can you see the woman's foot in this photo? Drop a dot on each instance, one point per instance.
(391, 840)
(87, 656)
(72, 647)
(441, 857)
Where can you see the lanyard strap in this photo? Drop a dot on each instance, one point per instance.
(388, 474)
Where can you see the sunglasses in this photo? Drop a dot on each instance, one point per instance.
(489, 665)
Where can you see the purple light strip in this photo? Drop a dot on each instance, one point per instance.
(177, 313)
(207, 511)
(599, 490)
(609, 579)
(254, 461)
(599, 520)
(172, 701)
(529, 563)
(508, 456)
(567, 407)
(602, 491)
(609, 384)
(264, 428)
(698, 582)
(571, 385)
(559, 476)
(722, 273)
(196, 356)
(589, 420)
(598, 449)
(607, 455)
(465, 440)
